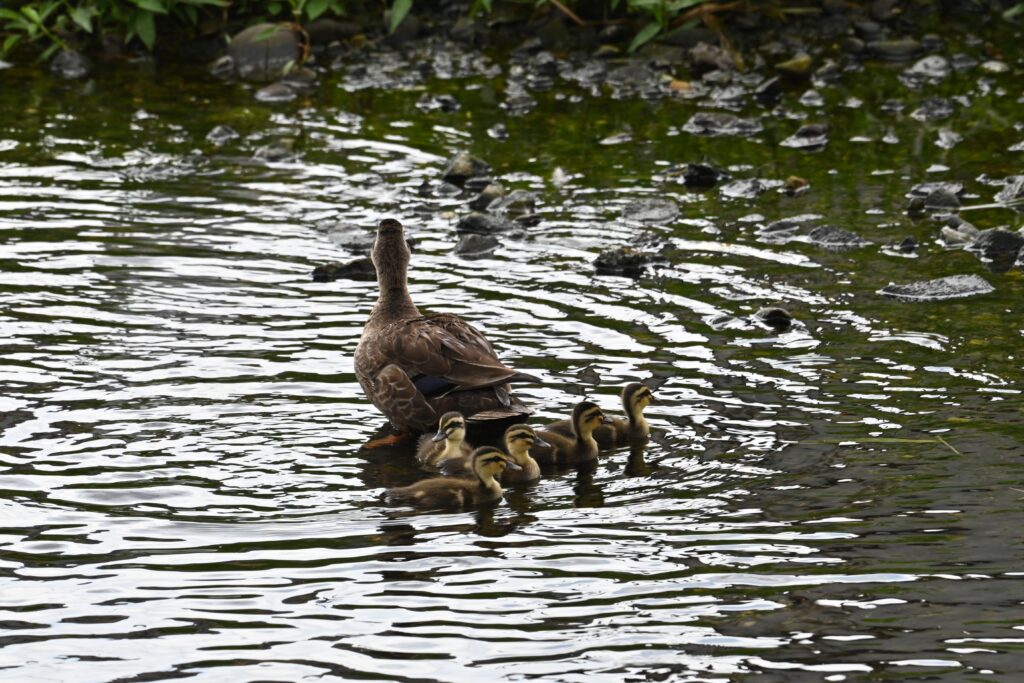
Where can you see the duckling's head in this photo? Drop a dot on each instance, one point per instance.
(586, 416)
(519, 439)
(489, 463)
(451, 427)
(390, 253)
(636, 397)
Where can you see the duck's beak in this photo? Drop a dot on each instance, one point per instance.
(606, 420)
(440, 436)
(537, 441)
(512, 465)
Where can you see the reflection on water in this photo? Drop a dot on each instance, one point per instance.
(182, 459)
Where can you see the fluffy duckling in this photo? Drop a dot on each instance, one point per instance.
(519, 439)
(580, 446)
(443, 492)
(635, 398)
(449, 442)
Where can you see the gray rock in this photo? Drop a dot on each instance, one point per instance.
(811, 136)
(464, 166)
(624, 261)
(899, 50)
(941, 198)
(516, 203)
(475, 245)
(444, 102)
(835, 238)
(707, 57)
(275, 92)
(265, 52)
(276, 151)
(933, 109)
(301, 78)
(714, 124)
(70, 64)
(498, 131)
(491, 192)
(486, 224)
(703, 176)
(768, 92)
(951, 287)
(775, 317)
(650, 211)
(744, 188)
(998, 244)
(930, 69)
(1012, 193)
(221, 135)
(361, 269)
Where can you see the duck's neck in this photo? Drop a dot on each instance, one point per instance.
(488, 482)
(452, 446)
(391, 259)
(530, 467)
(638, 423)
(585, 436)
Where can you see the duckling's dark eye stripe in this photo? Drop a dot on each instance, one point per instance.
(454, 425)
(521, 435)
(592, 414)
(495, 458)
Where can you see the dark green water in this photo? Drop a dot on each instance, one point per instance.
(182, 488)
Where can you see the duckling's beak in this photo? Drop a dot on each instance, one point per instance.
(512, 465)
(537, 441)
(440, 436)
(606, 420)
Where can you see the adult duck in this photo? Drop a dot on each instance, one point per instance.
(415, 367)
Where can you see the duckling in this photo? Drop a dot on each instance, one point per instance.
(519, 439)
(635, 398)
(580, 446)
(442, 492)
(448, 443)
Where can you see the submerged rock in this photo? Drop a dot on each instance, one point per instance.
(70, 65)
(221, 135)
(744, 188)
(650, 211)
(464, 166)
(835, 238)
(486, 224)
(488, 194)
(811, 136)
(264, 52)
(516, 203)
(997, 245)
(775, 317)
(274, 93)
(276, 151)
(1012, 193)
(718, 123)
(958, 233)
(950, 287)
(361, 269)
(898, 50)
(625, 261)
(474, 245)
(933, 109)
(703, 176)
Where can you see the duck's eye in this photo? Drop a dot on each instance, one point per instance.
(520, 436)
(452, 426)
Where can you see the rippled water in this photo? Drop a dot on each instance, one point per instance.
(184, 492)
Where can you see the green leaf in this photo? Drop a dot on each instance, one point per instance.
(646, 33)
(678, 5)
(1014, 11)
(274, 8)
(314, 8)
(9, 43)
(156, 6)
(82, 17)
(32, 14)
(399, 10)
(9, 14)
(48, 52)
(146, 28)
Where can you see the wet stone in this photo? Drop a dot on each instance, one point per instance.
(941, 198)
(707, 57)
(835, 238)
(70, 65)
(438, 188)
(352, 239)
(775, 317)
(715, 124)
(947, 138)
(300, 79)
(221, 135)
(998, 244)
(361, 269)
(485, 224)
(478, 183)
(650, 211)
(930, 69)
(498, 131)
(812, 98)
(993, 66)
(1012, 193)
(950, 287)
(264, 52)
(275, 92)
(476, 245)
(811, 136)
(529, 219)
(907, 245)
(624, 261)
(745, 188)
(703, 176)
(933, 109)
(464, 166)
(925, 189)
(491, 192)
(444, 103)
(899, 50)
(768, 92)
(516, 203)
(278, 150)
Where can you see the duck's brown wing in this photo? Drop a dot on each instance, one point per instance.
(446, 348)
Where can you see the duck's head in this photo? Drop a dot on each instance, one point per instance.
(586, 417)
(451, 427)
(390, 253)
(636, 397)
(489, 463)
(519, 439)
